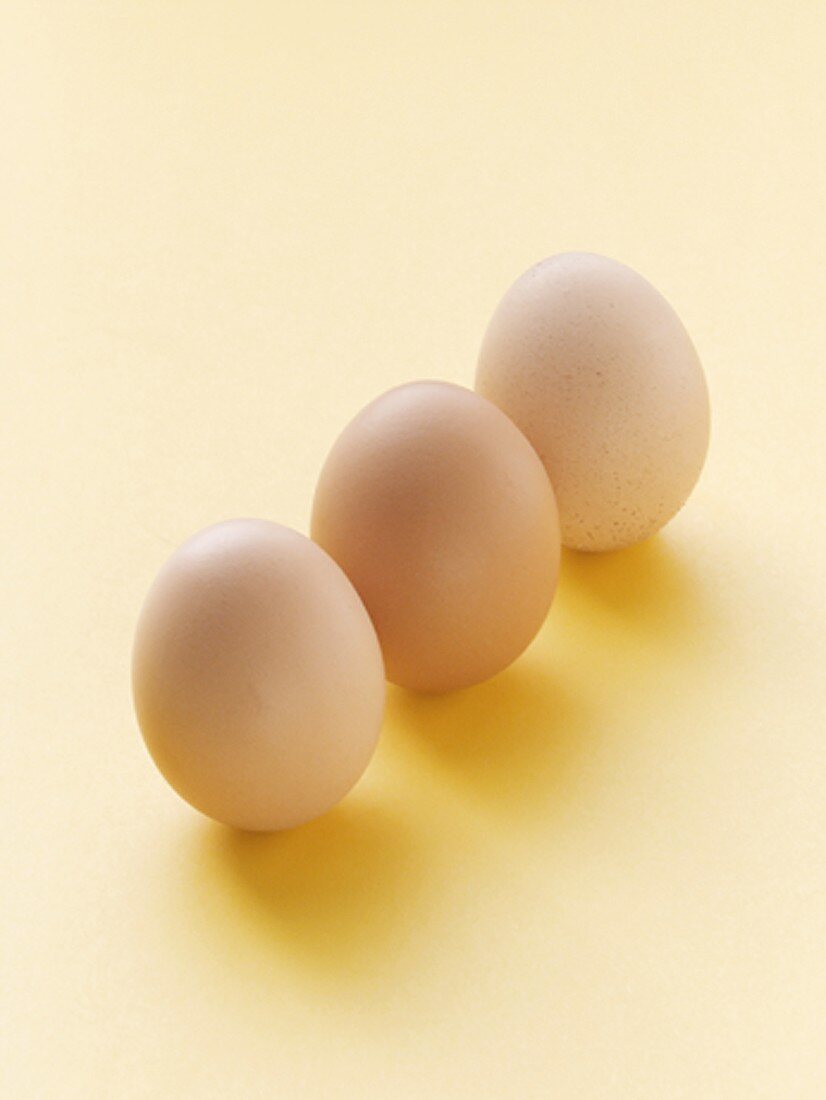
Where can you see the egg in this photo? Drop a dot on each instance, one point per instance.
(257, 676)
(596, 368)
(442, 516)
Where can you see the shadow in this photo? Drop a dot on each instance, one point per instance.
(647, 593)
(326, 896)
(344, 899)
(511, 744)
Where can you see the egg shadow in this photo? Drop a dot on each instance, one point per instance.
(646, 593)
(333, 899)
(523, 745)
(329, 896)
(511, 744)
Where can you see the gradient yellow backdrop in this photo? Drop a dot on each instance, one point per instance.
(226, 226)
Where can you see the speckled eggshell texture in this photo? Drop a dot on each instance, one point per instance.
(442, 515)
(596, 368)
(257, 676)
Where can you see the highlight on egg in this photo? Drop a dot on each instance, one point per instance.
(441, 514)
(597, 370)
(257, 676)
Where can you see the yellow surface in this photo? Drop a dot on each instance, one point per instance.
(226, 226)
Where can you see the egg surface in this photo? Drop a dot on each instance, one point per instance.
(257, 676)
(596, 368)
(440, 512)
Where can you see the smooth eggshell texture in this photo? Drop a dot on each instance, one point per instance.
(257, 676)
(595, 367)
(441, 514)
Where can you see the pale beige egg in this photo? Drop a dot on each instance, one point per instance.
(441, 514)
(257, 676)
(596, 368)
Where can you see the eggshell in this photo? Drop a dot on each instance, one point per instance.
(595, 367)
(441, 514)
(257, 676)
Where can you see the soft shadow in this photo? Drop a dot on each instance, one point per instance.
(648, 591)
(513, 743)
(328, 895)
(335, 897)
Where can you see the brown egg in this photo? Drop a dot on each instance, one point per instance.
(257, 676)
(441, 514)
(595, 367)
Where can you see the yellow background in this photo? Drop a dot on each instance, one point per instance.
(226, 226)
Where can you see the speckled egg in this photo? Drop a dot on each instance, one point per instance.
(596, 368)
